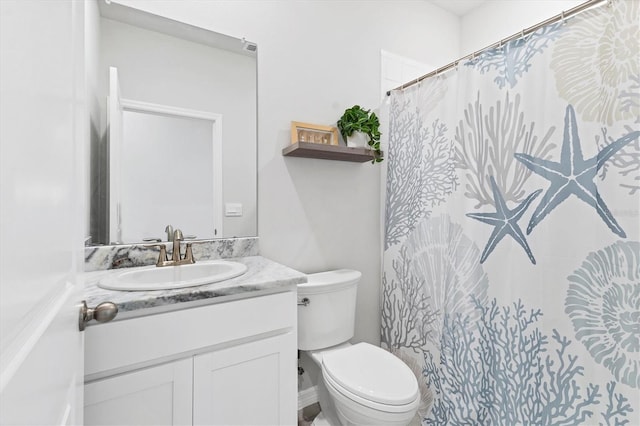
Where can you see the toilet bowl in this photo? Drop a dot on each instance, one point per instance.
(366, 384)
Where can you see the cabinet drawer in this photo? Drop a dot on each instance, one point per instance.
(115, 345)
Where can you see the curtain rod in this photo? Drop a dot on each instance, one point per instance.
(560, 17)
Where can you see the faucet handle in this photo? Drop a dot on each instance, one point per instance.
(158, 244)
(177, 235)
(162, 257)
(188, 254)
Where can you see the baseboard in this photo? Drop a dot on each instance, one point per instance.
(308, 396)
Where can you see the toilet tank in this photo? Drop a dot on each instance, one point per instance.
(329, 317)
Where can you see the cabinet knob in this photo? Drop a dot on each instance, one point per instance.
(104, 312)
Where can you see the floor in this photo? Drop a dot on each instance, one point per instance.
(307, 414)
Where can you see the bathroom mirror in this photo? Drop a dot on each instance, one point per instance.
(173, 130)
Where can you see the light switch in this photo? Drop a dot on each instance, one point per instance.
(233, 209)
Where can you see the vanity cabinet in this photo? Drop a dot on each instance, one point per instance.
(231, 363)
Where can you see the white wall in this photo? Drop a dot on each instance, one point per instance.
(315, 59)
(499, 19)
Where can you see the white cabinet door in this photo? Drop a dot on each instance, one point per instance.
(249, 384)
(158, 395)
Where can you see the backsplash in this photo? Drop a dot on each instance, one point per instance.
(100, 258)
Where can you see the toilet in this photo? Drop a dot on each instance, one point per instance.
(366, 384)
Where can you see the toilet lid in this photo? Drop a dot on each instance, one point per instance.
(371, 373)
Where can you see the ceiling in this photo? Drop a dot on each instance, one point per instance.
(458, 7)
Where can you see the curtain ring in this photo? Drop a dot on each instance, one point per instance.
(564, 21)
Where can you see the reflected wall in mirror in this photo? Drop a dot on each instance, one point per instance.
(177, 84)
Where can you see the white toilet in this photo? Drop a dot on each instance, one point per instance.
(366, 384)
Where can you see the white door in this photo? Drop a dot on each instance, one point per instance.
(42, 126)
(153, 396)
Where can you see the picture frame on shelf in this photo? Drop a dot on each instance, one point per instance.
(313, 133)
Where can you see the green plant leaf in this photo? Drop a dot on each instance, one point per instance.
(358, 119)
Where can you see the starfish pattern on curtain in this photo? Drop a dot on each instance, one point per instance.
(505, 222)
(574, 174)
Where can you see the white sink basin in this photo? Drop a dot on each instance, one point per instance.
(168, 277)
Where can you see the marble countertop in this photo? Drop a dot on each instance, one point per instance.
(262, 276)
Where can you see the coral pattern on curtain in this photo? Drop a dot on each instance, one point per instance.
(511, 281)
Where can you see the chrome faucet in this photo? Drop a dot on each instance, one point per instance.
(177, 237)
(176, 258)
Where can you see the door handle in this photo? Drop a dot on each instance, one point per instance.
(104, 312)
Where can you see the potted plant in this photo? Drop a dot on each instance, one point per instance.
(358, 123)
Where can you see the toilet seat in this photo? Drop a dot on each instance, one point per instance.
(371, 376)
(383, 408)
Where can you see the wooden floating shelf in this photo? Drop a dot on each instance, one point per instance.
(328, 152)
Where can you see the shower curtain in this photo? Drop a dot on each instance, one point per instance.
(511, 282)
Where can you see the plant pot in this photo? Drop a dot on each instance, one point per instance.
(358, 140)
